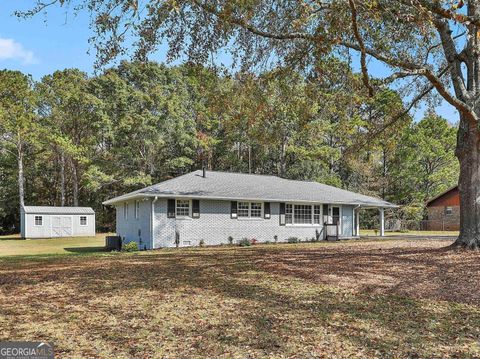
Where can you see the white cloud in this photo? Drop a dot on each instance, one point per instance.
(12, 50)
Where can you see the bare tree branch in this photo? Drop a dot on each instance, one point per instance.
(452, 58)
(363, 55)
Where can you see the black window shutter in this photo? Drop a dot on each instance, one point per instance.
(171, 208)
(266, 210)
(196, 208)
(233, 209)
(282, 214)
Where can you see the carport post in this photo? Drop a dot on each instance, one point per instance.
(382, 222)
(357, 222)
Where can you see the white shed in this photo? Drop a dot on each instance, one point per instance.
(48, 222)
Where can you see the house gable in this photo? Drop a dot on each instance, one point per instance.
(449, 198)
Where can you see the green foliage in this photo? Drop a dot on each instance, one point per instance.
(293, 240)
(130, 247)
(426, 163)
(19, 135)
(91, 138)
(245, 242)
(201, 243)
(230, 240)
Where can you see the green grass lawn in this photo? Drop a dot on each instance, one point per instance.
(371, 232)
(394, 298)
(14, 246)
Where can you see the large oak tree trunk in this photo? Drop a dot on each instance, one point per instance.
(468, 153)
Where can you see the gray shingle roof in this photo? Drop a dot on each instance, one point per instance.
(57, 210)
(241, 186)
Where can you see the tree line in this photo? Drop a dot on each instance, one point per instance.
(72, 139)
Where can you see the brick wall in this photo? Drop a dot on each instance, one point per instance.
(215, 226)
(135, 229)
(438, 220)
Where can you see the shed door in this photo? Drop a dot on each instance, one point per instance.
(61, 226)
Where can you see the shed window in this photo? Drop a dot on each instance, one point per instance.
(183, 207)
(137, 209)
(83, 220)
(125, 210)
(39, 220)
(249, 209)
(448, 211)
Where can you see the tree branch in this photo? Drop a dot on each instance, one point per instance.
(458, 103)
(247, 26)
(452, 58)
(447, 14)
(363, 55)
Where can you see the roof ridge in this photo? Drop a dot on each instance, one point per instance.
(241, 173)
(34, 205)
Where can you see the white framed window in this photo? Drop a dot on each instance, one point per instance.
(316, 214)
(137, 209)
(83, 220)
(183, 207)
(39, 221)
(249, 209)
(256, 210)
(125, 210)
(289, 213)
(243, 209)
(303, 214)
(448, 211)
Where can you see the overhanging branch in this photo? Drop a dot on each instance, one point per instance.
(417, 69)
(363, 55)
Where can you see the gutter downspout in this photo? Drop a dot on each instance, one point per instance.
(152, 222)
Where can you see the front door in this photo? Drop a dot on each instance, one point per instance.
(61, 226)
(336, 217)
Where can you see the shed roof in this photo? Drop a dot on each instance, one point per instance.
(57, 210)
(431, 200)
(241, 186)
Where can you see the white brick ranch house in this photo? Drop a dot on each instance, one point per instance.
(212, 206)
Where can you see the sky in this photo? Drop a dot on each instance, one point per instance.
(58, 40)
